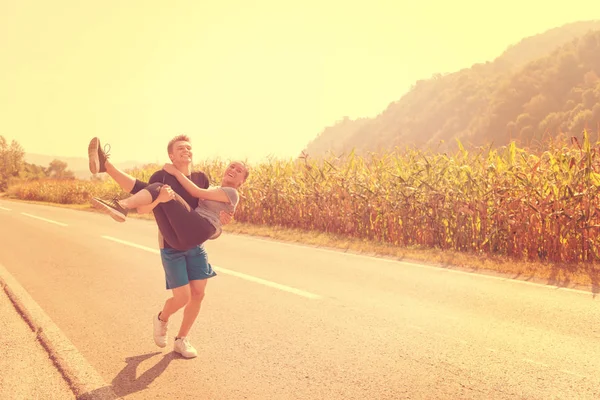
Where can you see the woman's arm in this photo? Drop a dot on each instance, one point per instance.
(214, 194)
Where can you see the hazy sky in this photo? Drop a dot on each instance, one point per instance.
(243, 78)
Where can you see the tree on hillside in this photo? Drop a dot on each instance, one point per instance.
(515, 97)
(32, 172)
(58, 170)
(11, 161)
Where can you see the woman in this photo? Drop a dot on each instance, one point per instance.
(180, 226)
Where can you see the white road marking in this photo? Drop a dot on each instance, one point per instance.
(5, 209)
(44, 219)
(431, 267)
(269, 283)
(535, 362)
(566, 371)
(229, 272)
(137, 246)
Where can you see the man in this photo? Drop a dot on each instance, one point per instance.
(186, 272)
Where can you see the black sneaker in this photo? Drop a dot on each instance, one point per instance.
(111, 207)
(97, 156)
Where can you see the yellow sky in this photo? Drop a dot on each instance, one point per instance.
(243, 78)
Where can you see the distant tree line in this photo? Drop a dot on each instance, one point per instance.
(13, 166)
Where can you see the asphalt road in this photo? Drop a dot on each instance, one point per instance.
(283, 321)
(26, 370)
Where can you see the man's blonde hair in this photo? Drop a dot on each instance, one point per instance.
(178, 138)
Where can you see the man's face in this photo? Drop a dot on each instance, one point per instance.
(181, 153)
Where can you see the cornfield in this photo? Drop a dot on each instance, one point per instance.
(60, 191)
(527, 206)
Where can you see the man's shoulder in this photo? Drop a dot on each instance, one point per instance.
(200, 179)
(199, 175)
(157, 176)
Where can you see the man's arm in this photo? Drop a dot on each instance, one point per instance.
(225, 217)
(158, 176)
(148, 208)
(166, 194)
(139, 185)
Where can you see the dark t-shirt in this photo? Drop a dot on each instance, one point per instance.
(199, 178)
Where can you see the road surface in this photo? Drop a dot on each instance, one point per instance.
(284, 321)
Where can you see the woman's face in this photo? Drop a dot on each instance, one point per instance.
(235, 174)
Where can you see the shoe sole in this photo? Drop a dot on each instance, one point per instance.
(117, 216)
(93, 155)
(156, 342)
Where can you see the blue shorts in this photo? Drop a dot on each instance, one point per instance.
(181, 267)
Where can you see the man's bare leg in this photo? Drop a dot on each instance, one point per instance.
(181, 296)
(190, 313)
(192, 309)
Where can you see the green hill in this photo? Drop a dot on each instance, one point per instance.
(542, 86)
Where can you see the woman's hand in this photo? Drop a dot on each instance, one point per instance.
(170, 169)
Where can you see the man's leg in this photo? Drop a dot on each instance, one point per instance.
(192, 308)
(174, 264)
(199, 270)
(181, 297)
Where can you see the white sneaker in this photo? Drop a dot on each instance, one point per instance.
(160, 331)
(183, 347)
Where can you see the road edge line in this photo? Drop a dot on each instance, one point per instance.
(82, 378)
